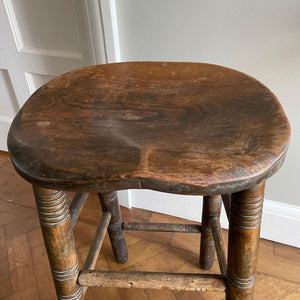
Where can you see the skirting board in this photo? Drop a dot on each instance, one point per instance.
(4, 127)
(280, 221)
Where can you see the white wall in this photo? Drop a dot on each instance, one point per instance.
(261, 38)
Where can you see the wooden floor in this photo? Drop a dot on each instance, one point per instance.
(25, 272)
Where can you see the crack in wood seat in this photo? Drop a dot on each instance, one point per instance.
(183, 128)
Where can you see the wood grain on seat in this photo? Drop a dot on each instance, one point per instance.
(187, 128)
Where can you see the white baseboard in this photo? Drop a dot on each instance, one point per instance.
(124, 198)
(5, 123)
(280, 222)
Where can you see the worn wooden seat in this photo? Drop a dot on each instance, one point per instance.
(185, 128)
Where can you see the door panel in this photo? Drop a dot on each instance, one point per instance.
(45, 27)
(8, 104)
(39, 40)
(35, 81)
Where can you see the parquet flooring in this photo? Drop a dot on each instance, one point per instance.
(25, 272)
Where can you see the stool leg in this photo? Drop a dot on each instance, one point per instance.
(244, 229)
(54, 214)
(109, 202)
(211, 208)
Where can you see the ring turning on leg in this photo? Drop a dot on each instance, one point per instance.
(54, 214)
(244, 229)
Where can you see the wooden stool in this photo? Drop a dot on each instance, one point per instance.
(182, 128)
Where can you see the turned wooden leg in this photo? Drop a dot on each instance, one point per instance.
(226, 198)
(211, 208)
(109, 202)
(244, 229)
(54, 214)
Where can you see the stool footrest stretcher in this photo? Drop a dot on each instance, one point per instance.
(153, 280)
(162, 227)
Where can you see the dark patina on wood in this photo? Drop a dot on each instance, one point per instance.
(187, 128)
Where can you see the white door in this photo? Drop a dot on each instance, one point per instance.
(40, 39)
